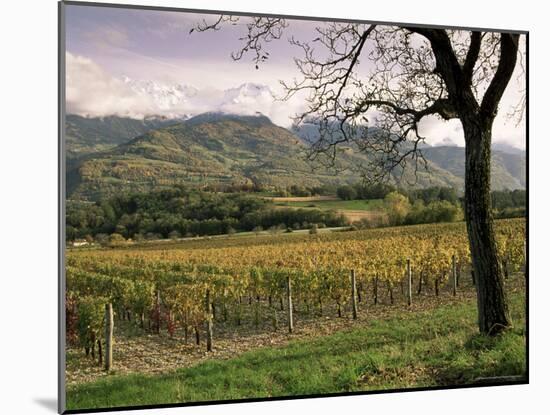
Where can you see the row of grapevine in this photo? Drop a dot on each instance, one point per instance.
(190, 288)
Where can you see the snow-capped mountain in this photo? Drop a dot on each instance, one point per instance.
(165, 98)
(247, 92)
(183, 101)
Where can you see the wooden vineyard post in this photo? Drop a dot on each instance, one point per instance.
(454, 275)
(409, 284)
(108, 336)
(208, 322)
(353, 294)
(289, 303)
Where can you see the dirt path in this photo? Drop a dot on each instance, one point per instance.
(136, 352)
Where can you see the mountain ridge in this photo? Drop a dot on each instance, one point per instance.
(227, 148)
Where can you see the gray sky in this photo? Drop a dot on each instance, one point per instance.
(142, 62)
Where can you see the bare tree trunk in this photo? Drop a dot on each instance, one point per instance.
(491, 301)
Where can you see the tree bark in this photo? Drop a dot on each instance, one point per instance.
(491, 301)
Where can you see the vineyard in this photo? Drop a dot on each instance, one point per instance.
(206, 286)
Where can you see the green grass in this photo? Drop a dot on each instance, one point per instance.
(373, 204)
(435, 348)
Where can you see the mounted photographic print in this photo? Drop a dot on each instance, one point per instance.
(257, 206)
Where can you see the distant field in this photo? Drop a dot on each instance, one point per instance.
(354, 210)
(304, 199)
(337, 204)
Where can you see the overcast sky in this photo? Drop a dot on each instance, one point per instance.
(142, 62)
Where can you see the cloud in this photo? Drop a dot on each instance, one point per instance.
(440, 132)
(91, 91)
(108, 36)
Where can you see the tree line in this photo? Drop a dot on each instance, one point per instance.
(183, 211)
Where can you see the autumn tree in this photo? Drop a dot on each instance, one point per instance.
(397, 206)
(369, 86)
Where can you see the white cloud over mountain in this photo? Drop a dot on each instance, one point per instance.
(91, 91)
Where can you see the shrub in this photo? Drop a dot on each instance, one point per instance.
(102, 239)
(116, 240)
(397, 207)
(346, 192)
(174, 235)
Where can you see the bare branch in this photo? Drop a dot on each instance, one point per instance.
(410, 73)
(508, 56)
(473, 54)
